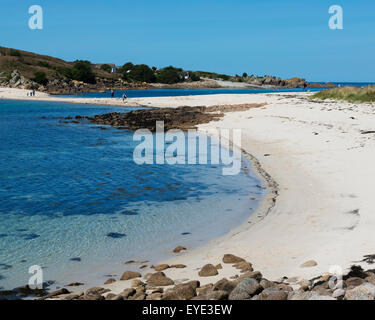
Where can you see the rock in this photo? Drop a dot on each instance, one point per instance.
(225, 285)
(136, 283)
(178, 249)
(284, 287)
(110, 280)
(95, 297)
(365, 291)
(161, 267)
(26, 291)
(323, 289)
(158, 290)
(309, 264)
(208, 270)
(154, 296)
(253, 274)
(204, 289)
(219, 266)
(56, 293)
(75, 284)
(127, 275)
(265, 284)
(230, 258)
(178, 266)
(117, 297)
(159, 279)
(371, 279)
(194, 284)
(305, 284)
(217, 295)
(127, 293)
(244, 266)
(340, 284)
(273, 294)
(338, 293)
(180, 292)
(307, 295)
(138, 296)
(213, 295)
(354, 282)
(245, 290)
(96, 290)
(74, 296)
(110, 296)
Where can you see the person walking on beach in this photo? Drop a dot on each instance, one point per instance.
(124, 97)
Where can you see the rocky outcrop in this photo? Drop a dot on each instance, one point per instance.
(183, 118)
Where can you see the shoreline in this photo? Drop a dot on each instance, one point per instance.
(314, 161)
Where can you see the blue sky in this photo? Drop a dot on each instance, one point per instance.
(282, 38)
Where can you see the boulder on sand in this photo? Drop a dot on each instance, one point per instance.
(127, 275)
(208, 271)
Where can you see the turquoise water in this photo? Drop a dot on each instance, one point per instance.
(72, 191)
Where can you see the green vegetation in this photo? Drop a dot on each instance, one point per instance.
(351, 94)
(43, 64)
(40, 77)
(14, 53)
(142, 73)
(106, 67)
(169, 75)
(82, 71)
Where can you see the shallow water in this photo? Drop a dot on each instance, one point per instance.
(72, 191)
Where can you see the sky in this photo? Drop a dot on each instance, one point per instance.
(282, 38)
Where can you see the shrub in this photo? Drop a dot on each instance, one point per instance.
(106, 67)
(169, 75)
(142, 72)
(44, 64)
(82, 71)
(40, 77)
(351, 94)
(194, 76)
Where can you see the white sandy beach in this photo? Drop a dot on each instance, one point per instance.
(323, 169)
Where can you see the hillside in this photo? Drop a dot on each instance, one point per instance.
(22, 69)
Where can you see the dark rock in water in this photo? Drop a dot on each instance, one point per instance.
(4, 266)
(75, 284)
(185, 233)
(31, 236)
(56, 293)
(178, 249)
(75, 259)
(177, 118)
(27, 291)
(116, 235)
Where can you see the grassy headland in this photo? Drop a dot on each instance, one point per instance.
(350, 94)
